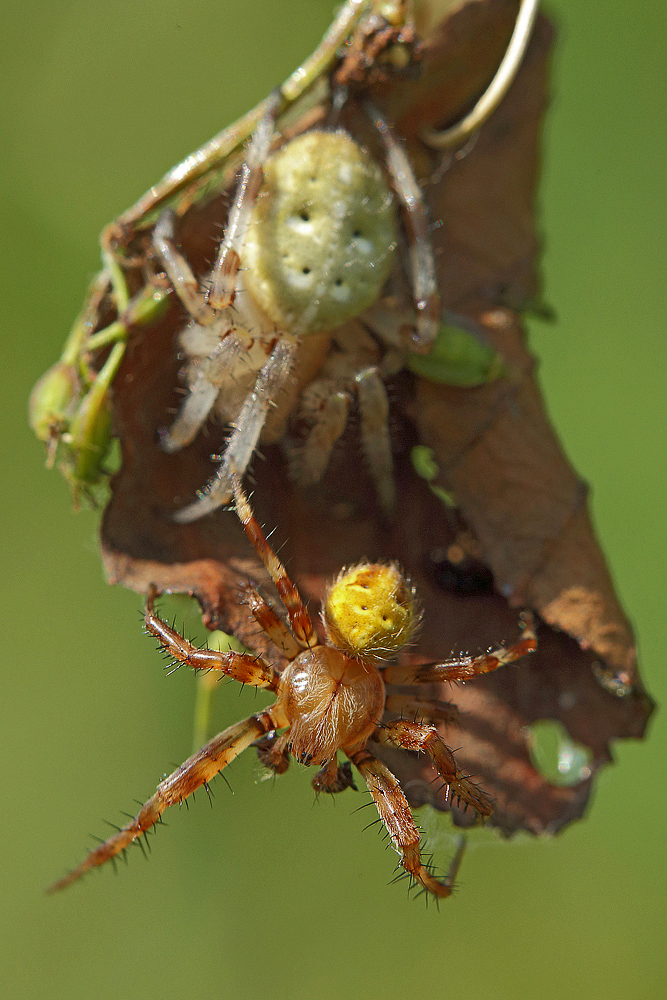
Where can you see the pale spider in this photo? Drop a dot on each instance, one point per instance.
(330, 697)
(309, 246)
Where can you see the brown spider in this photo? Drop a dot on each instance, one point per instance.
(330, 697)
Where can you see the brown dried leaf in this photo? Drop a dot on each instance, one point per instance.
(494, 445)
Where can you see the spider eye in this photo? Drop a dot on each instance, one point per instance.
(370, 611)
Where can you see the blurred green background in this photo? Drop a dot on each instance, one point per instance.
(267, 892)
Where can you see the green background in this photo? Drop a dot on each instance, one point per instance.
(267, 893)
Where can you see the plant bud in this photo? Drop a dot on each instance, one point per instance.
(53, 401)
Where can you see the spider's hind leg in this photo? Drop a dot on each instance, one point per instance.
(426, 739)
(397, 817)
(198, 770)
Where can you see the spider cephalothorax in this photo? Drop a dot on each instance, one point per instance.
(330, 697)
(311, 238)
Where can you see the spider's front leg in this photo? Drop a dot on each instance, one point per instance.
(465, 667)
(422, 262)
(300, 621)
(198, 770)
(243, 667)
(241, 446)
(205, 303)
(397, 817)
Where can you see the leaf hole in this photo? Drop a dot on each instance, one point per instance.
(555, 755)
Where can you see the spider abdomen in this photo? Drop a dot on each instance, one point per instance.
(321, 234)
(332, 702)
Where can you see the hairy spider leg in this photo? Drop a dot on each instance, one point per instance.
(422, 706)
(299, 619)
(205, 304)
(211, 308)
(244, 667)
(426, 739)
(223, 277)
(462, 668)
(197, 770)
(212, 368)
(271, 624)
(248, 426)
(397, 817)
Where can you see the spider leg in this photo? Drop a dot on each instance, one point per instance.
(397, 817)
(422, 263)
(417, 706)
(223, 276)
(179, 271)
(198, 770)
(374, 407)
(426, 739)
(212, 352)
(210, 307)
(249, 423)
(330, 411)
(333, 778)
(462, 668)
(243, 667)
(206, 304)
(299, 619)
(271, 624)
(192, 414)
(272, 752)
(211, 373)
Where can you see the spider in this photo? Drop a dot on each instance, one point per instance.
(299, 313)
(330, 697)
(309, 246)
(305, 313)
